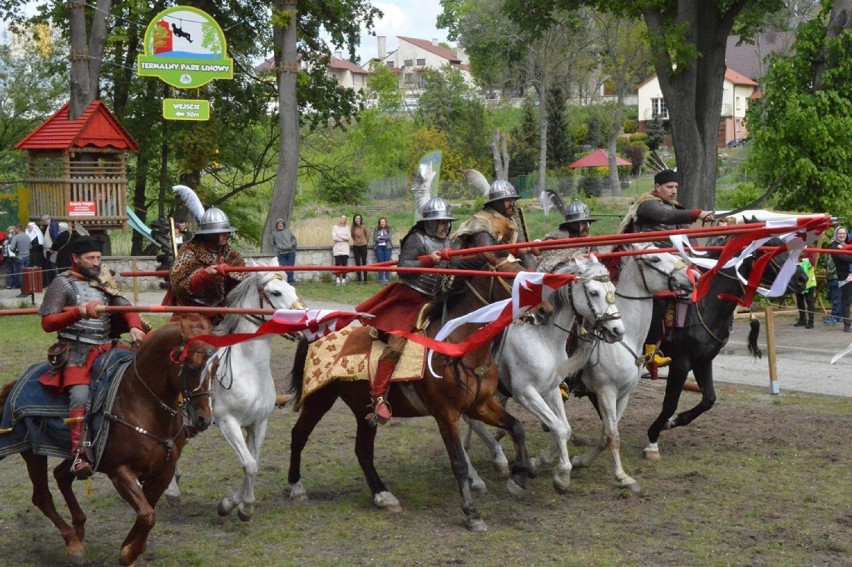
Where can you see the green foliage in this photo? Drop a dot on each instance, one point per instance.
(450, 105)
(804, 129)
(630, 125)
(581, 134)
(342, 186)
(560, 147)
(523, 142)
(656, 133)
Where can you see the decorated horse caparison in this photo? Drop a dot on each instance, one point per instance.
(143, 429)
(464, 385)
(244, 390)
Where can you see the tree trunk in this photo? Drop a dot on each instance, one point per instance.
(542, 141)
(614, 181)
(840, 19)
(287, 65)
(500, 153)
(693, 94)
(86, 53)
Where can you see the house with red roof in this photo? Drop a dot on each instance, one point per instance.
(738, 90)
(414, 56)
(346, 73)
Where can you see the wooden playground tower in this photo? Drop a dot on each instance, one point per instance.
(78, 169)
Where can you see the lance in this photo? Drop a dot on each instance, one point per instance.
(156, 309)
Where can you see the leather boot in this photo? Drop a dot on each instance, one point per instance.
(81, 467)
(381, 413)
(801, 321)
(653, 356)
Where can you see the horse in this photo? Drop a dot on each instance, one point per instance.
(533, 361)
(706, 327)
(148, 427)
(244, 395)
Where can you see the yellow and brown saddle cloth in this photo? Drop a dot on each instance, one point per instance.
(352, 354)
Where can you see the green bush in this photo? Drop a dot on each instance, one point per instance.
(630, 126)
(342, 187)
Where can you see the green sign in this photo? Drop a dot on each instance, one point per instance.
(186, 109)
(185, 48)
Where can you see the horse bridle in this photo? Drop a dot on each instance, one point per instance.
(600, 319)
(179, 357)
(671, 282)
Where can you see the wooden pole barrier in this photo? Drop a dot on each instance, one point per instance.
(133, 267)
(774, 387)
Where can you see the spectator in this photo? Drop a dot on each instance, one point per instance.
(285, 246)
(60, 253)
(182, 234)
(841, 237)
(9, 258)
(340, 236)
(844, 278)
(805, 300)
(383, 240)
(36, 245)
(21, 246)
(359, 245)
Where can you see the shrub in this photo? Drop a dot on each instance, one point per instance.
(630, 126)
(342, 187)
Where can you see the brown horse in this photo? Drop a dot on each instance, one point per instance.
(462, 386)
(147, 433)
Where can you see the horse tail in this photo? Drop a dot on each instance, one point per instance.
(4, 393)
(298, 372)
(753, 347)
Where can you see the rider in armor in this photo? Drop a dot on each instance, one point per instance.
(199, 275)
(494, 225)
(660, 210)
(397, 306)
(70, 308)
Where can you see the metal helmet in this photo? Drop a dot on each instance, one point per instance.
(215, 221)
(577, 211)
(501, 189)
(436, 209)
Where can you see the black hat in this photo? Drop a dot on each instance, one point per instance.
(85, 244)
(665, 176)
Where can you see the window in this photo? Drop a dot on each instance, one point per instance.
(658, 108)
(408, 79)
(421, 62)
(390, 64)
(408, 63)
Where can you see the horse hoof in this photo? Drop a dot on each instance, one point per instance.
(223, 509)
(534, 466)
(478, 486)
(502, 468)
(298, 493)
(561, 485)
(651, 454)
(632, 487)
(243, 516)
(172, 500)
(515, 489)
(387, 502)
(476, 525)
(76, 557)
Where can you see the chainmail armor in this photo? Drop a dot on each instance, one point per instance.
(419, 243)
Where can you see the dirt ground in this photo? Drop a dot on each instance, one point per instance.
(760, 480)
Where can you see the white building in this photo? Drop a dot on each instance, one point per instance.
(414, 56)
(737, 91)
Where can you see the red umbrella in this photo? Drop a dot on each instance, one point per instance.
(598, 158)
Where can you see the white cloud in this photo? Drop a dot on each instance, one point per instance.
(409, 18)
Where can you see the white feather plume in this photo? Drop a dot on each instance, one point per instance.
(191, 200)
(550, 199)
(478, 180)
(422, 185)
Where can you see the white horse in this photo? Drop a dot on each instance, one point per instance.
(244, 394)
(533, 363)
(530, 356)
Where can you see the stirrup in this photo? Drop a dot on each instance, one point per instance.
(381, 413)
(82, 468)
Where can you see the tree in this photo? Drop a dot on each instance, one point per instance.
(656, 134)
(802, 126)
(300, 32)
(560, 146)
(688, 39)
(523, 146)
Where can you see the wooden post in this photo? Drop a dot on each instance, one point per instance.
(774, 387)
(135, 284)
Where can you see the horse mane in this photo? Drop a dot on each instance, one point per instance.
(237, 297)
(192, 325)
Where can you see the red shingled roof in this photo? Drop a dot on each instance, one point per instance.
(438, 50)
(738, 78)
(97, 127)
(337, 63)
